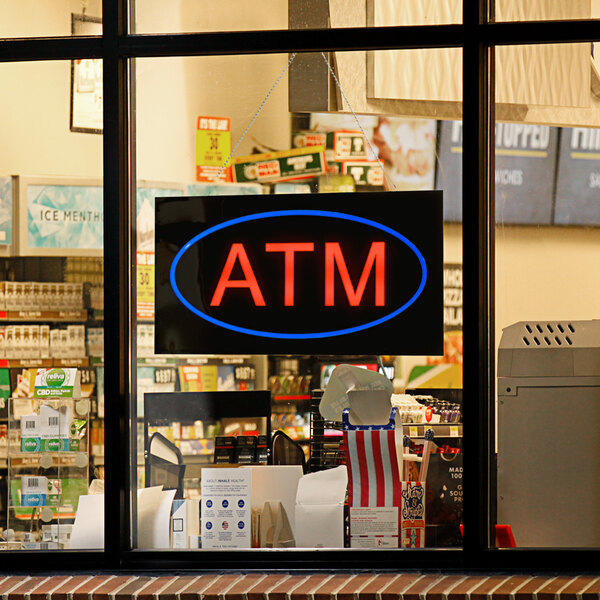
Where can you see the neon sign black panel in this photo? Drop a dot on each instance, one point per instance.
(327, 274)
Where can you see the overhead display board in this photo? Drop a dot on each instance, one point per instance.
(524, 172)
(333, 274)
(578, 183)
(60, 217)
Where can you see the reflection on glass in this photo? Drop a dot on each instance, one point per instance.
(237, 15)
(547, 290)
(545, 10)
(51, 305)
(37, 18)
(271, 127)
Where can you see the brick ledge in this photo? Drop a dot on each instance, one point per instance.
(280, 586)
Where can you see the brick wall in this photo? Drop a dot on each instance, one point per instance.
(280, 586)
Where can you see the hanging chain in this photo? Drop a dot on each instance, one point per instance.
(373, 153)
(266, 99)
(283, 72)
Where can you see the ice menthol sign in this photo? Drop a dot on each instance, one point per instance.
(334, 274)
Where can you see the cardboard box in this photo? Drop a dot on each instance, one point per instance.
(412, 515)
(301, 163)
(245, 450)
(30, 433)
(185, 523)
(224, 449)
(34, 490)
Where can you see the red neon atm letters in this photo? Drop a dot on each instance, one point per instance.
(334, 258)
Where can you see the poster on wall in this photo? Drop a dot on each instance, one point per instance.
(6, 204)
(524, 176)
(60, 219)
(86, 81)
(578, 184)
(404, 147)
(337, 274)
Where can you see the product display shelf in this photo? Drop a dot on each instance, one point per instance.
(43, 363)
(48, 468)
(35, 316)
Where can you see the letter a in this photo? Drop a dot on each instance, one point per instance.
(238, 252)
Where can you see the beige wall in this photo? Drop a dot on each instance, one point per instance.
(172, 92)
(546, 273)
(34, 98)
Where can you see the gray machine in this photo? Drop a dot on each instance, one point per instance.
(549, 433)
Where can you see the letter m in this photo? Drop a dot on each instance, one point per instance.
(334, 257)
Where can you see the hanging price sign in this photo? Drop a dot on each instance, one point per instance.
(145, 285)
(213, 146)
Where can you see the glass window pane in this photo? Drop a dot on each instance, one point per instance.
(545, 10)
(237, 15)
(36, 18)
(51, 315)
(547, 289)
(197, 410)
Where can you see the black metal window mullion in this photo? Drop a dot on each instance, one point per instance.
(478, 376)
(117, 284)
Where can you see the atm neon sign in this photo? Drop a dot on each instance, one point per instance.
(333, 258)
(238, 273)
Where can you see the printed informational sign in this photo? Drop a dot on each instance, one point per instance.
(6, 203)
(578, 185)
(64, 217)
(198, 378)
(334, 274)
(213, 146)
(226, 508)
(145, 285)
(301, 163)
(144, 200)
(524, 177)
(86, 81)
(374, 526)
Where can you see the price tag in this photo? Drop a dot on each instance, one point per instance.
(145, 285)
(168, 375)
(213, 146)
(413, 431)
(454, 431)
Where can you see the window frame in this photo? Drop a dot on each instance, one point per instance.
(478, 36)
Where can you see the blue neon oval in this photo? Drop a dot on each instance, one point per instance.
(297, 213)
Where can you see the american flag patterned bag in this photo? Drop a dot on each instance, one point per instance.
(374, 463)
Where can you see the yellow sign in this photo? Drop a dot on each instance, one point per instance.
(145, 285)
(213, 146)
